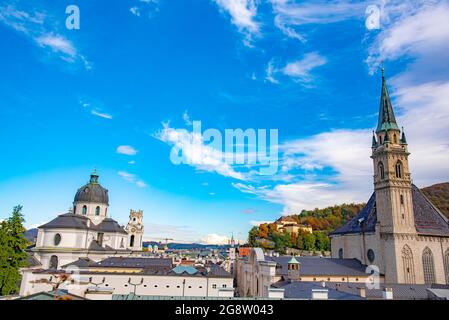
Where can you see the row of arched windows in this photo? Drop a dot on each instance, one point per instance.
(398, 170)
(84, 210)
(427, 263)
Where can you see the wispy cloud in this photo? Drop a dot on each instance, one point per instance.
(203, 157)
(41, 29)
(133, 178)
(243, 15)
(126, 150)
(299, 70)
(145, 7)
(101, 115)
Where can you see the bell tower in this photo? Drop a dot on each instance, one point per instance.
(392, 181)
(135, 230)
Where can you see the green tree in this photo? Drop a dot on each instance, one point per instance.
(12, 251)
(252, 236)
(309, 242)
(322, 241)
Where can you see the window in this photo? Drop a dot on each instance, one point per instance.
(84, 210)
(131, 241)
(402, 198)
(381, 170)
(74, 209)
(97, 211)
(54, 262)
(214, 286)
(399, 169)
(100, 239)
(57, 239)
(407, 263)
(122, 245)
(340, 253)
(370, 255)
(446, 265)
(224, 286)
(428, 266)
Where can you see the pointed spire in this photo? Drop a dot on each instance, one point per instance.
(403, 139)
(387, 119)
(374, 140)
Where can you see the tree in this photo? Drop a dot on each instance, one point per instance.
(309, 242)
(12, 251)
(322, 241)
(252, 236)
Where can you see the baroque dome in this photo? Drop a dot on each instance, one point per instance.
(92, 192)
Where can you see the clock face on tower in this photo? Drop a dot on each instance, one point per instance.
(133, 229)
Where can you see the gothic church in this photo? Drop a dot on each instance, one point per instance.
(400, 231)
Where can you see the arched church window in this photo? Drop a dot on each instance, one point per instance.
(428, 266)
(399, 169)
(381, 170)
(131, 241)
(370, 255)
(57, 239)
(97, 211)
(340, 253)
(446, 265)
(84, 210)
(407, 263)
(54, 262)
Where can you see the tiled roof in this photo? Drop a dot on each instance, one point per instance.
(76, 221)
(317, 266)
(120, 262)
(428, 220)
(303, 290)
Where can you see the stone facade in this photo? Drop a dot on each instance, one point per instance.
(399, 231)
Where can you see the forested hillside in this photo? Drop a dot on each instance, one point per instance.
(439, 195)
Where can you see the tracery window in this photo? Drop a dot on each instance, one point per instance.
(407, 263)
(381, 170)
(446, 265)
(428, 266)
(399, 169)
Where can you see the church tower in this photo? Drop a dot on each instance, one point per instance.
(392, 181)
(135, 230)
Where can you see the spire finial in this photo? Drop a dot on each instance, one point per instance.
(94, 176)
(383, 70)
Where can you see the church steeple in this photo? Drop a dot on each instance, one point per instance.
(387, 120)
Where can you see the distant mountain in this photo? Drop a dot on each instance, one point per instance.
(439, 195)
(184, 246)
(31, 235)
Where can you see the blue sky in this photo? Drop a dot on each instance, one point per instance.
(117, 93)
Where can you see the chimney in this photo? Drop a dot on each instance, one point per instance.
(387, 294)
(362, 292)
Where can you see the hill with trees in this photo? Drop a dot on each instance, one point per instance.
(439, 195)
(324, 221)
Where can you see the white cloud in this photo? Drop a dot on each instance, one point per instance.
(300, 69)
(213, 238)
(130, 177)
(135, 11)
(243, 14)
(34, 26)
(195, 153)
(186, 118)
(101, 115)
(290, 14)
(126, 150)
